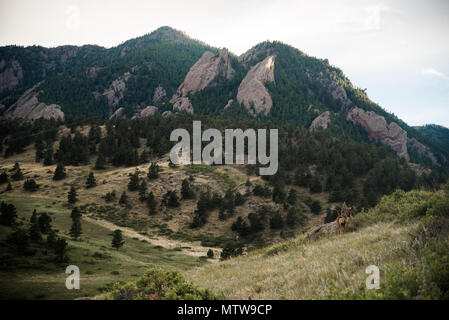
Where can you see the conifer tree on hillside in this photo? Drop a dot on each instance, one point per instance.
(143, 191)
(133, 183)
(72, 196)
(75, 229)
(17, 175)
(8, 214)
(91, 182)
(186, 190)
(101, 162)
(153, 171)
(152, 203)
(117, 239)
(44, 222)
(33, 217)
(123, 198)
(60, 172)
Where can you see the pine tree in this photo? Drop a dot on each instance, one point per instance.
(39, 145)
(133, 183)
(153, 171)
(101, 162)
(186, 190)
(8, 187)
(17, 175)
(117, 240)
(8, 214)
(152, 203)
(3, 177)
(72, 195)
(60, 248)
(44, 222)
(91, 182)
(30, 185)
(60, 172)
(75, 229)
(123, 198)
(33, 217)
(48, 155)
(143, 191)
(292, 197)
(35, 232)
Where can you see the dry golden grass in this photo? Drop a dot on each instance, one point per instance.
(306, 270)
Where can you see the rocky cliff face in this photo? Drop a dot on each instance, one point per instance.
(391, 135)
(159, 94)
(252, 92)
(202, 74)
(115, 91)
(422, 150)
(29, 107)
(322, 121)
(337, 91)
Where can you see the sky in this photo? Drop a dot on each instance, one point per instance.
(398, 50)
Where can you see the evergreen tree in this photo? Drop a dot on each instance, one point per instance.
(33, 217)
(210, 254)
(75, 229)
(3, 177)
(101, 162)
(30, 185)
(8, 214)
(48, 155)
(117, 239)
(292, 197)
(17, 175)
(91, 182)
(276, 221)
(44, 222)
(123, 199)
(35, 232)
(170, 199)
(143, 191)
(152, 203)
(315, 185)
(72, 195)
(8, 187)
(133, 183)
(60, 172)
(39, 145)
(60, 249)
(186, 190)
(153, 171)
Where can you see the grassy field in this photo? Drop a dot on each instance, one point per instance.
(100, 265)
(300, 270)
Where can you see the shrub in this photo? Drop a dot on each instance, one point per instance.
(157, 284)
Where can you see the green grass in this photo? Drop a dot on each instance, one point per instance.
(100, 265)
(210, 171)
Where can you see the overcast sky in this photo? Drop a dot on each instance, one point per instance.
(398, 50)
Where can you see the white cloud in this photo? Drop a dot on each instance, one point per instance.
(434, 72)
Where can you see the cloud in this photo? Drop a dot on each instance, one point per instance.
(434, 72)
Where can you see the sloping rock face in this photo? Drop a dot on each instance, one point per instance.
(119, 113)
(263, 49)
(391, 135)
(322, 121)
(29, 107)
(159, 94)
(337, 91)
(422, 150)
(148, 111)
(115, 91)
(10, 74)
(252, 92)
(202, 74)
(328, 228)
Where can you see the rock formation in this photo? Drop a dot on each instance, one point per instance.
(204, 73)
(115, 91)
(391, 135)
(139, 113)
(328, 228)
(422, 150)
(29, 107)
(148, 111)
(337, 91)
(322, 121)
(252, 92)
(159, 94)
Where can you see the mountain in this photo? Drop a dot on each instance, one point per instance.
(438, 134)
(170, 72)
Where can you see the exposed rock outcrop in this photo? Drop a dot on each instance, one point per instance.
(391, 135)
(139, 113)
(166, 114)
(10, 74)
(252, 92)
(204, 73)
(253, 55)
(29, 107)
(328, 228)
(116, 90)
(337, 91)
(119, 113)
(148, 111)
(230, 101)
(322, 121)
(159, 94)
(422, 150)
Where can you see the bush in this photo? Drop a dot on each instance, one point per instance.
(157, 284)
